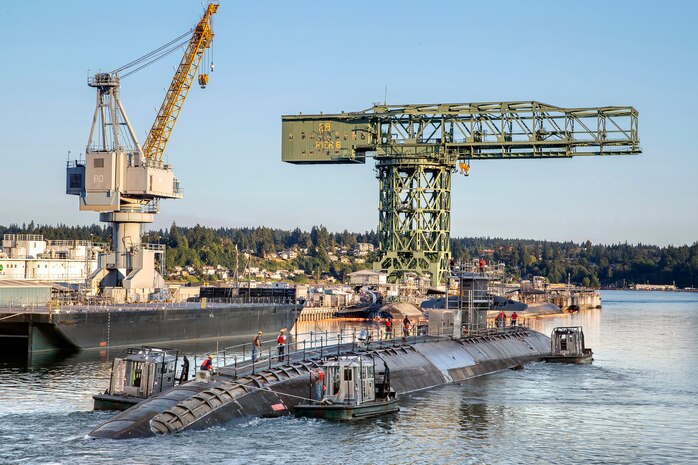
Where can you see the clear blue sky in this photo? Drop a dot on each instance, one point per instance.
(275, 58)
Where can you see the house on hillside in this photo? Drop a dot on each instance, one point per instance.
(362, 249)
(368, 278)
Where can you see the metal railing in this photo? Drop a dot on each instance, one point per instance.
(319, 344)
(312, 344)
(70, 304)
(150, 246)
(23, 237)
(255, 300)
(473, 266)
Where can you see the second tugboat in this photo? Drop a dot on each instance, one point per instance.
(138, 374)
(567, 346)
(349, 388)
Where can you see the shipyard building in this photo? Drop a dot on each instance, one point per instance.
(29, 257)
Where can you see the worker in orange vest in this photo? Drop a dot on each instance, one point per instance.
(281, 343)
(207, 364)
(317, 378)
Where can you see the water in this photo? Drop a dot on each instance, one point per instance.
(636, 404)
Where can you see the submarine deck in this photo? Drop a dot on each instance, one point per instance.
(270, 389)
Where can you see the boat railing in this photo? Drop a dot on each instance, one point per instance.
(105, 304)
(318, 344)
(254, 300)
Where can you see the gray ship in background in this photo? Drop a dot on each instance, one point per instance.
(45, 321)
(100, 327)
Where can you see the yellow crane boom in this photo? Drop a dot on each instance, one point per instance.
(159, 134)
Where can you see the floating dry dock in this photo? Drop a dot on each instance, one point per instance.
(28, 330)
(233, 394)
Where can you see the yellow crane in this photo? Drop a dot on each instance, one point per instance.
(125, 182)
(200, 40)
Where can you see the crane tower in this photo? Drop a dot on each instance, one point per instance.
(417, 148)
(124, 181)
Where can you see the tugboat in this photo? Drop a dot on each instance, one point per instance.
(567, 346)
(137, 374)
(351, 389)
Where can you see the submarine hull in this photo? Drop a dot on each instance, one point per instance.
(276, 391)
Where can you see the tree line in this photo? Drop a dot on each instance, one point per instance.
(615, 265)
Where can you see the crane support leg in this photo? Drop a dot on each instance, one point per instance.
(414, 217)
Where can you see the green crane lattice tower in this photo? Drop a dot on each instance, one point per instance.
(417, 147)
(414, 220)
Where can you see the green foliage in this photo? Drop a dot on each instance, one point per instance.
(609, 265)
(616, 265)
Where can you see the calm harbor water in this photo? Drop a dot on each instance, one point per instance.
(638, 403)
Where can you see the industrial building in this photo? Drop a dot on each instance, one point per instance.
(30, 257)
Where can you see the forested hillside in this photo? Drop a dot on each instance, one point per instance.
(319, 251)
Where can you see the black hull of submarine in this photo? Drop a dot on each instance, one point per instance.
(415, 366)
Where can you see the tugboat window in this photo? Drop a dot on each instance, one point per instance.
(347, 374)
(137, 374)
(335, 385)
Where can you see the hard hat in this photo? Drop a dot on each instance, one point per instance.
(259, 332)
(210, 355)
(283, 330)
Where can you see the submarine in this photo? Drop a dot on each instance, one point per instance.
(237, 393)
(456, 345)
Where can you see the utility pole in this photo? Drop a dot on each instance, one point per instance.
(236, 276)
(249, 275)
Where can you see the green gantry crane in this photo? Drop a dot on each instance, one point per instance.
(418, 147)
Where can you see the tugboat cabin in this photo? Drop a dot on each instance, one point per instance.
(140, 373)
(353, 389)
(567, 346)
(568, 340)
(345, 377)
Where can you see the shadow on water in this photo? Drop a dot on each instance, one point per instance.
(21, 359)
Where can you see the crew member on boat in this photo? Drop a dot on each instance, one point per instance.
(317, 378)
(256, 345)
(501, 320)
(207, 364)
(281, 343)
(406, 326)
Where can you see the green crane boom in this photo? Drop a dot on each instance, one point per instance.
(418, 147)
